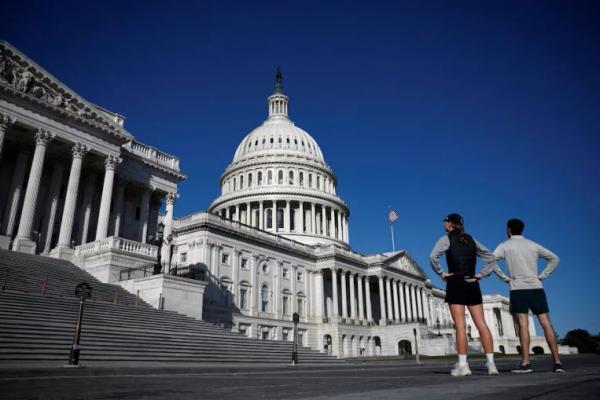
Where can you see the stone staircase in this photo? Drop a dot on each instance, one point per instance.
(37, 324)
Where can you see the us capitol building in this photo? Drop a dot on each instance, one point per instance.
(76, 185)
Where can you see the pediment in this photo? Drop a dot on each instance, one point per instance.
(22, 77)
(403, 262)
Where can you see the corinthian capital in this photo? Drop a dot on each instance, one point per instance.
(79, 150)
(111, 162)
(5, 122)
(43, 137)
(170, 198)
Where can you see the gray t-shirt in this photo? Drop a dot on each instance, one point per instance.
(521, 256)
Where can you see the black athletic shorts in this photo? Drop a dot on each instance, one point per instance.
(521, 301)
(459, 291)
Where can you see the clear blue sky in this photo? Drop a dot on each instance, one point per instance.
(490, 109)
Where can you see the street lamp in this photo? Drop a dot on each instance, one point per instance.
(83, 291)
(295, 319)
(437, 321)
(160, 230)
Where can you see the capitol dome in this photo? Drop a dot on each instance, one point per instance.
(279, 182)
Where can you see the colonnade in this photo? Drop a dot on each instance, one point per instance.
(280, 177)
(291, 216)
(399, 301)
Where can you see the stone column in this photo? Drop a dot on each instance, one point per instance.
(110, 164)
(332, 223)
(254, 282)
(237, 213)
(118, 208)
(361, 308)
(170, 199)
(368, 298)
(319, 295)
(228, 212)
(334, 294)
(144, 214)
(16, 189)
(395, 294)
(88, 199)
(323, 221)
(55, 184)
(424, 306)
(402, 310)
(5, 123)
(352, 297)
(23, 240)
(344, 295)
(249, 214)
(383, 320)
(346, 231)
(302, 218)
(313, 219)
(388, 292)
(63, 248)
(286, 219)
(413, 303)
(235, 272)
(274, 216)
(339, 226)
(261, 217)
(418, 301)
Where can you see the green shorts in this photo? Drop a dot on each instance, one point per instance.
(521, 301)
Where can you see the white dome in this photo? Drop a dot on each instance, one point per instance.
(278, 136)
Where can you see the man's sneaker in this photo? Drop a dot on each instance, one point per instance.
(491, 368)
(523, 369)
(558, 368)
(460, 370)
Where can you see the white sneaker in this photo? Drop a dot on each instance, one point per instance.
(491, 367)
(460, 370)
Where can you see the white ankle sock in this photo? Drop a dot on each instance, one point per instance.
(489, 357)
(462, 359)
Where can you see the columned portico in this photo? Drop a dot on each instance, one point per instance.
(107, 189)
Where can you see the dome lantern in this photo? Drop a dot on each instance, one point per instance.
(278, 102)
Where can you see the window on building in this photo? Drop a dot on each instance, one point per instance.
(280, 218)
(183, 257)
(242, 182)
(243, 297)
(271, 140)
(318, 181)
(280, 178)
(259, 179)
(300, 307)
(285, 273)
(310, 181)
(285, 336)
(265, 268)
(301, 178)
(225, 258)
(264, 296)
(243, 329)
(244, 263)
(299, 275)
(265, 335)
(249, 180)
(270, 178)
(284, 305)
(269, 218)
(234, 185)
(300, 338)
(291, 178)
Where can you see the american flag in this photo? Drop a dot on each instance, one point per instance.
(392, 215)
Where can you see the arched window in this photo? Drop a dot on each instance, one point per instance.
(264, 298)
(301, 178)
(249, 180)
(280, 218)
(271, 140)
(234, 186)
(291, 178)
(310, 181)
(242, 182)
(280, 139)
(280, 177)
(318, 181)
(269, 218)
(259, 179)
(270, 178)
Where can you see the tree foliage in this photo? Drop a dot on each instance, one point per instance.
(582, 339)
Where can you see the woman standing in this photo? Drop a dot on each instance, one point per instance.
(462, 288)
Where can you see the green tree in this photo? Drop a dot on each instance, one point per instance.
(581, 339)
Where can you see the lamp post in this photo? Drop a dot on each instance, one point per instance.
(417, 358)
(295, 319)
(160, 229)
(83, 291)
(437, 322)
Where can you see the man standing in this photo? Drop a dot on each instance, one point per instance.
(526, 291)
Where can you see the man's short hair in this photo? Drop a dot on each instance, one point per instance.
(516, 226)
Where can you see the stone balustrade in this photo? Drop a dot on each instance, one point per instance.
(117, 243)
(153, 154)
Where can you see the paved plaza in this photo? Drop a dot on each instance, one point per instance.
(392, 379)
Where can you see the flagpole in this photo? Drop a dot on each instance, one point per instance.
(392, 230)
